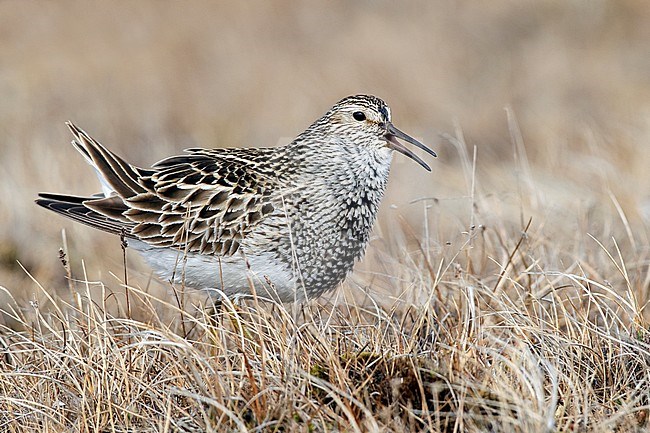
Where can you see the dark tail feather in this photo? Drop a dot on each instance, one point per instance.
(119, 174)
(73, 207)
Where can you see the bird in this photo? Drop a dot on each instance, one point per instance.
(286, 223)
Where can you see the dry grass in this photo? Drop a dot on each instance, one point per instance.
(505, 292)
(524, 348)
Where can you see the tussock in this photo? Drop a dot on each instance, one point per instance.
(517, 349)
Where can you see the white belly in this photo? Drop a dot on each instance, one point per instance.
(233, 275)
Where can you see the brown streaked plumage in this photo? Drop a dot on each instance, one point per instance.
(296, 216)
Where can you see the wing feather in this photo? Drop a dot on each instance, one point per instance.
(205, 201)
(210, 216)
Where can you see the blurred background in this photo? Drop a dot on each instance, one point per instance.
(553, 98)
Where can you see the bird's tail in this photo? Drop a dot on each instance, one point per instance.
(104, 213)
(116, 175)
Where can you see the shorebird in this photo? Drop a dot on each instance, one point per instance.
(286, 222)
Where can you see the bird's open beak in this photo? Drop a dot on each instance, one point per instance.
(391, 136)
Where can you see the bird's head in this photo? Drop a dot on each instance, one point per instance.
(365, 120)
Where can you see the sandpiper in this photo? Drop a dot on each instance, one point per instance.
(286, 222)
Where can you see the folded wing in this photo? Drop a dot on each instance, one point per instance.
(204, 201)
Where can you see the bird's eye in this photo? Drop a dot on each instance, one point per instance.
(358, 115)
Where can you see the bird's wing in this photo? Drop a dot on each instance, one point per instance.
(203, 202)
(206, 201)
